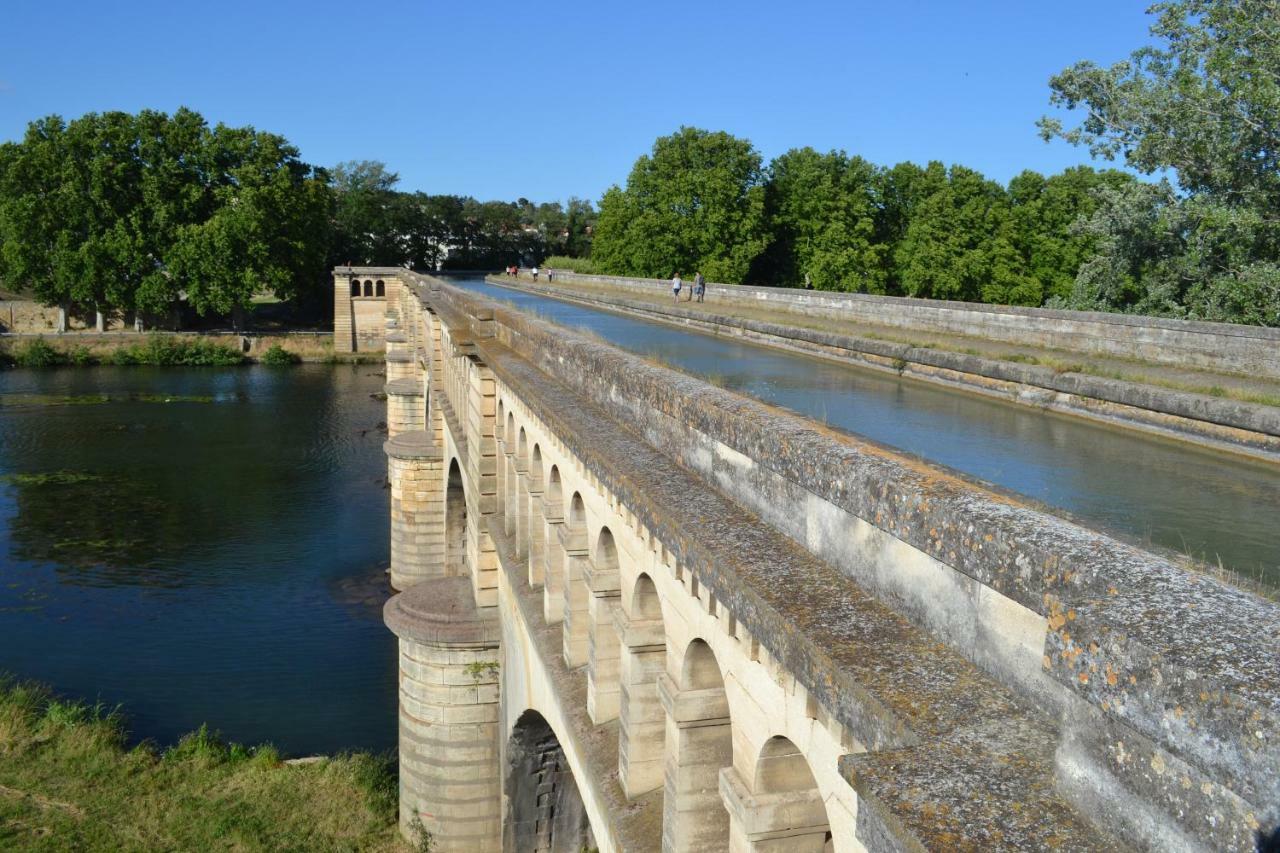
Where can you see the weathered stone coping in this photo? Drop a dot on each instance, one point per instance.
(405, 387)
(892, 685)
(400, 356)
(415, 444)
(396, 338)
(1235, 414)
(635, 824)
(1196, 662)
(442, 612)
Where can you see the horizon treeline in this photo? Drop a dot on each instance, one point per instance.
(142, 214)
(704, 201)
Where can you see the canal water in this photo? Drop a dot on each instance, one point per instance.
(202, 545)
(1212, 506)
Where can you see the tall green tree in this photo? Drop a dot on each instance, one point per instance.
(1043, 224)
(823, 211)
(695, 203)
(1204, 104)
(114, 211)
(958, 245)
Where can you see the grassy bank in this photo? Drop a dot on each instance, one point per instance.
(184, 350)
(68, 781)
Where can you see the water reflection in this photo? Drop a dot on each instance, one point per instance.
(1167, 494)
(211, 558)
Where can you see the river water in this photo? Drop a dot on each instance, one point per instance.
(205, 545)
(1155, 492)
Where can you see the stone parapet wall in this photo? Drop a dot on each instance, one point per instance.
(1247, 350)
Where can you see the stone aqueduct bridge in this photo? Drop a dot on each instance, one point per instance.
(638, 612)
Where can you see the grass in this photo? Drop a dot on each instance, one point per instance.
(70, 781)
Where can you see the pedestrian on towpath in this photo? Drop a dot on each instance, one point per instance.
(676, 284)
(535, 273)
(699, 285)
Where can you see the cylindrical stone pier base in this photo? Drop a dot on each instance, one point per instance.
(415, 469)
(400, 366)
(450, 778)
(405, 409)
(397, 341)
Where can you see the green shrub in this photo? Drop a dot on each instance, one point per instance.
(277, 355)
(578, 265)
(82, 356)
(37, 353)
(174, 351)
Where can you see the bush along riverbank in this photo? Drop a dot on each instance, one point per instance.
(69, 781)
(175, 350)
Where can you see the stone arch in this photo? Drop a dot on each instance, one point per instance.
(379, 288)
(699, 744)
(455, 523)
(368, 288)
(782, 800)
(536, 478)
(520, 498)
(537, 520)
(553, 551)
(603, 653)
(545, 812)
(355, 287)
(508, 464)
(642, 659)
(577, 626)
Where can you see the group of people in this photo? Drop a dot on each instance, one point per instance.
(514, 271)
(698, 290)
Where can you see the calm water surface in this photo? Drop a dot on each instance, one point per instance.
(214, 558)
(1147, 490)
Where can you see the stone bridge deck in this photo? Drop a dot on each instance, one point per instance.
(697, 622)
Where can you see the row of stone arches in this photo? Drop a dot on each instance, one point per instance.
(370, 288)
(677, 732)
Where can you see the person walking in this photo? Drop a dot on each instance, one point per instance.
(699, 285)
(676, 284)
(535, 273)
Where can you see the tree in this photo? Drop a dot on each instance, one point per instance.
(364, 220)
(268, 229)
(822, 211)
(901, 190)
(1205, 104)
(1043, 218)
(958, 245)
(124, 212)
(695, 203)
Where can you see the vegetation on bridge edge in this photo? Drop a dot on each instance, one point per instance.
(69, 780)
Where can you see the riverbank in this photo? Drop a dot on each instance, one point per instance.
(69, 780)
(1235, 414)
(174, 348)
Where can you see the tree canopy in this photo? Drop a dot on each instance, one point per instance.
(128, 212)
(1202, 106)
(695, 203)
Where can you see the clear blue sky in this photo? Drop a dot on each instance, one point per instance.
(547, 100)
